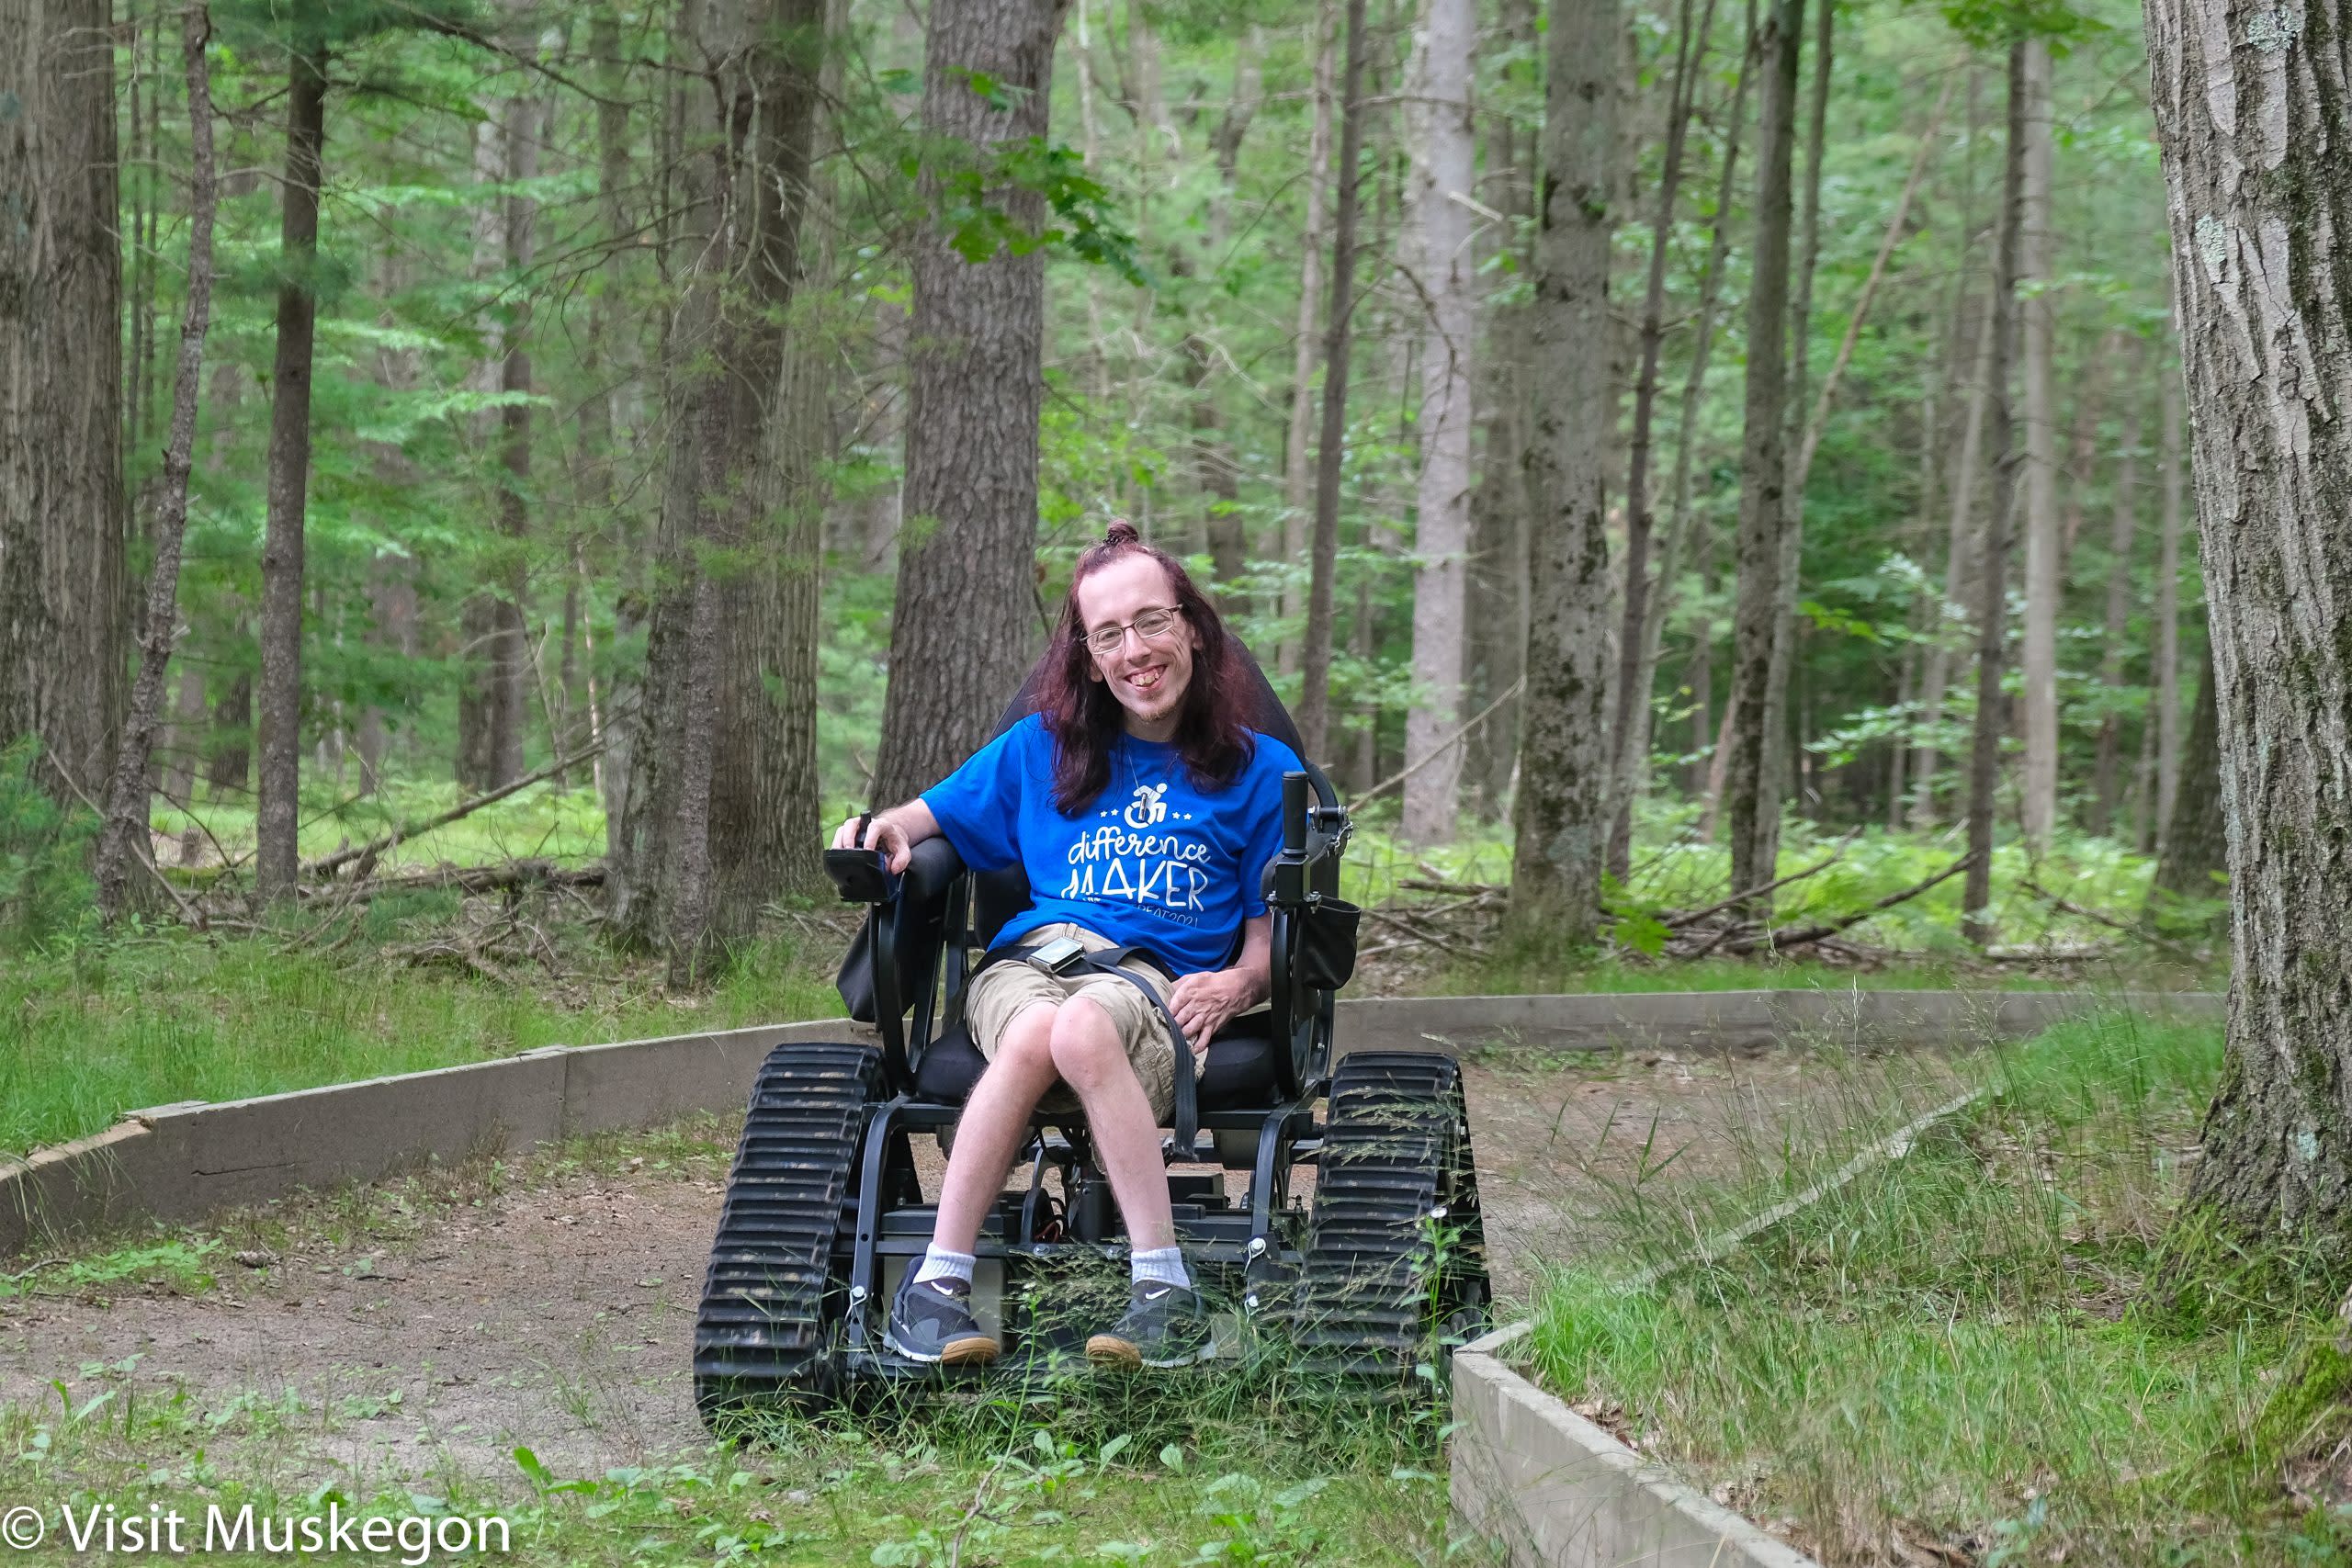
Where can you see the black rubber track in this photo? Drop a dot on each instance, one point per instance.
(777, 1269)
(1372, 1298)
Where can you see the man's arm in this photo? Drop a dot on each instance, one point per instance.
(894, 832)
(1207, 1002)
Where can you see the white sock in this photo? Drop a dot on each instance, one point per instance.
(938, 1263)
(1163, 1265)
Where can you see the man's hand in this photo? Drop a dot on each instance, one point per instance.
(1203, 1004)
(881, 833)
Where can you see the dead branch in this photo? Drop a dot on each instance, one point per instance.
(471, 879)
(407, 831)
(1797, 936)
(1693, 918)
(2065, 905)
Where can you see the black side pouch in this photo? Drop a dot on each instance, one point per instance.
(854, 980)
(1326, 943)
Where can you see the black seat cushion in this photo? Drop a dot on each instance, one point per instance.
(1240, 1075)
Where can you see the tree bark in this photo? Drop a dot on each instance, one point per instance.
(2196, 861)
(1323, 552)
(2168, 673)
(1777, 760)
(1751, 794)
(2107, 776)
(1993, 573)
(719, 815)
(1297, 473)
(2250, 115)
(1444, 170)
(64, 579)
(125, 835)
(1560, 816)
(2044, 587)
(1950, 610)
(1629, 710)
(278, 859)
(964, 618)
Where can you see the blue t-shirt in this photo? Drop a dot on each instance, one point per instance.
(1154, 862)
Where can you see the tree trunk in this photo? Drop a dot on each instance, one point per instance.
(1323, 553)
(2044, 587)
(2107, 778)
(1993, 573)
(125, 837)
(1443, 174)
(2250, 118)
(720, 814)
(1630, 717)
(276, 859)
(1952, 612)
(1751, 792)
(2196, 861)
(64, 607)
(1560, 818)
(1297, 473)
(1777, 762)
(964, 620)
(2168, 673)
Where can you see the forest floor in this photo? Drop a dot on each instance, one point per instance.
(408, 1338)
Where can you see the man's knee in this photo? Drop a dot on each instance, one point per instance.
(1026, 1046)
(1086, 1044)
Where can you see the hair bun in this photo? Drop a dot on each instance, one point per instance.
(1121, 532)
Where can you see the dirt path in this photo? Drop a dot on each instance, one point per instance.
(440, 1322)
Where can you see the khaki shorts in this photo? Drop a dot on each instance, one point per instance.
(1004, 990)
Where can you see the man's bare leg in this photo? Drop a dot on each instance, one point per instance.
(995, 1124)
(1087, 1053)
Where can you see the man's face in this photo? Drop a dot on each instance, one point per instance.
(1148, 675)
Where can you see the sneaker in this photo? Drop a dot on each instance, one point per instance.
(1164, 1325)
(932, 1322)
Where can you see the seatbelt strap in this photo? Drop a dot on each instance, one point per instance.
(1186, 1114)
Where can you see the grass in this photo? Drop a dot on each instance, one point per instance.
(90, 1029)
(1204, 1470)
(1960, 1352)
(539, 823)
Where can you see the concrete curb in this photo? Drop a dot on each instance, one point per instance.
(183, 1162)
(1556, 1491)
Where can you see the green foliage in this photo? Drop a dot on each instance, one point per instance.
(45, 886)
(1962, 1344)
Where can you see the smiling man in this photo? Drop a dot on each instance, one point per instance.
(1144, 812)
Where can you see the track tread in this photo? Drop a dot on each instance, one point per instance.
(762, 1324)
(1396, 1144)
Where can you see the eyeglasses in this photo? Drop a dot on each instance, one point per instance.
(1151, 625)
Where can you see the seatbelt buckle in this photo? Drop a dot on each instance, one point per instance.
(1059, 956)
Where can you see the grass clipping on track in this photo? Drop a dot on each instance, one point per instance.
(1956, 1358)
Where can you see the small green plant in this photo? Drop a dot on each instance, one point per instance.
(45, 886)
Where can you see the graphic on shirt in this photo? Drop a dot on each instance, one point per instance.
(1163, 872)
(1147, 808)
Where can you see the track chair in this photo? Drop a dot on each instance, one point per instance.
(1382, 1267)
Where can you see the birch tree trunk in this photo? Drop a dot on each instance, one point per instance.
(2038, 802)
(1323, 553)
(125, 835)
(1560, 816)
(1298, 480)
(2251, 114)
(964, 621)
(276, 859)
(1751, 794)
(1444, 169)
(63, 611)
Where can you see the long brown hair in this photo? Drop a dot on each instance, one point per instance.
(1086, 721)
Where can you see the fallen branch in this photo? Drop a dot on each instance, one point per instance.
(471, 879)
(188, 911)
(407, 831)
(2068, 907)
(1693, 918)
(1440, 749)
(1797, 936)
